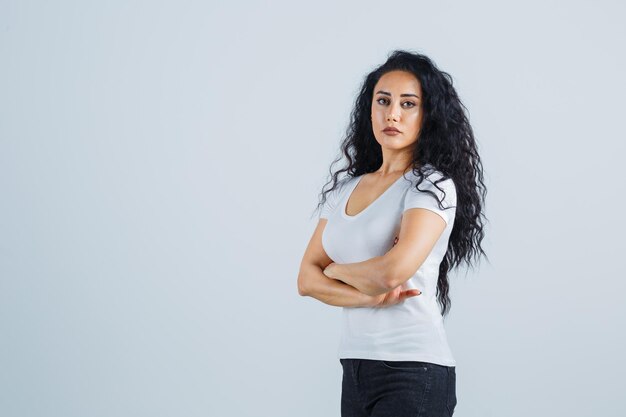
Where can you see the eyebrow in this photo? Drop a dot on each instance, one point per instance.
(401, 95)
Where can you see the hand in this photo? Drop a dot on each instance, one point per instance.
(395, 296)
(328, 270)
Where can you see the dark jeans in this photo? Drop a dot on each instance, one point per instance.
(376, 388)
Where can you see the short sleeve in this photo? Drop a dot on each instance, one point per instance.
(332, 199)
(415, 198)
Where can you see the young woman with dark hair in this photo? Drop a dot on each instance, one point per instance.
(408, 211)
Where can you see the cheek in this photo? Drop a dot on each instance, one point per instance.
(415, 119)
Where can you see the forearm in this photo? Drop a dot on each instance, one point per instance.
(369, 277)
(333, 292)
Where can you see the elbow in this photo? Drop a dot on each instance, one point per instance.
(302, 287)
(307, 280)
(390, 283)
(393, 278)
(399, 269)
(302, 291)
(389, 273)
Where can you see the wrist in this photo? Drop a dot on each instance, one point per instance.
(373, 300)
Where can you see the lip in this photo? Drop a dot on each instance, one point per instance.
(391, 131)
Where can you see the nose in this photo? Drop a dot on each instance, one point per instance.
(391, 117)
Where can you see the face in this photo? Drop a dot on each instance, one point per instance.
(397, 102)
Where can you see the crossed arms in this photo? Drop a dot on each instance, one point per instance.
(364, 284)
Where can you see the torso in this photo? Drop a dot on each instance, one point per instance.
(368, 227)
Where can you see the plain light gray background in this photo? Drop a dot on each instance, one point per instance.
(159, 167)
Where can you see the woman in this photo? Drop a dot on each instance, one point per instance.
(409, 210)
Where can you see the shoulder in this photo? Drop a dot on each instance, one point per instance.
(431, 175)
(429, 179)
(342, 184)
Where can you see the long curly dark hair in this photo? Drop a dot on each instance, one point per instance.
(446, 142)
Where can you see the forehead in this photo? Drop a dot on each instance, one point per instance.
(398, 82)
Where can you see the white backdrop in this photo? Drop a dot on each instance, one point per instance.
(159, 167)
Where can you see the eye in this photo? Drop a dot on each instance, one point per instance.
(385, 102)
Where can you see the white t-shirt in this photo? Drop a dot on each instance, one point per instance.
(412, 330)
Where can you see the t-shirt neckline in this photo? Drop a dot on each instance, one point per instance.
(358, 179)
